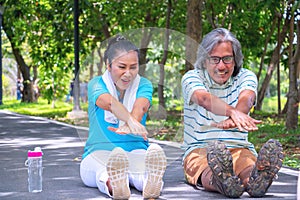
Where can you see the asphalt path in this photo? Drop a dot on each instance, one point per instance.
(62, 146)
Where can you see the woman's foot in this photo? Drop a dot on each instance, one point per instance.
(117, 169)
(156, 163)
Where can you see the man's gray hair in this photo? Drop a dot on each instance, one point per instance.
(215, 37)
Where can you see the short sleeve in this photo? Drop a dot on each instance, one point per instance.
(247, 81)
(190, 82)
(145, 89)
(96, 87)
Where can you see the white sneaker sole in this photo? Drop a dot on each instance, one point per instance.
(117, 169)
(156, 163)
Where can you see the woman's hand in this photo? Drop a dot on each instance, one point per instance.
(132, 126)
(121, 130)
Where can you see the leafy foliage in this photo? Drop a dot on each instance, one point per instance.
(45, 38)
(43, 32)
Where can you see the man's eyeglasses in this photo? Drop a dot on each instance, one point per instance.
(214, 60)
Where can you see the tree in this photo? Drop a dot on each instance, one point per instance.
(273, 62)
(193, 31)
(164, 57)
(15, 36)
(41, 38)
(294, 59)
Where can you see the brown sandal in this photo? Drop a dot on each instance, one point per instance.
(268, 163)
(220, 161)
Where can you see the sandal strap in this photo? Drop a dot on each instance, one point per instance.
(267, 166)
(223, 178)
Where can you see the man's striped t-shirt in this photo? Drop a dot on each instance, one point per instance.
(197, 120)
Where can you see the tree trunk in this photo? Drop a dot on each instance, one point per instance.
(105, 30)
(292, 105)
(101, 62)
(298, 71)
(28, 93)
(193, 31)
(273, 63)
(278, 75)
(160, 89)
(91, 67)
(143, 49)
(54, 91)
(147, 35)
(262, 59)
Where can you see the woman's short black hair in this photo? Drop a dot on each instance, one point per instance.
(117, 45)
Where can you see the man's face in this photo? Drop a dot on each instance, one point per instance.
(220, 64)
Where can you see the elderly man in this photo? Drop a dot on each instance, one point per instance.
(218, 95)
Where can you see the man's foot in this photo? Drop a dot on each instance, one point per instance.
(220, 161)
(117, 169)
(268, 163)
(156, 163)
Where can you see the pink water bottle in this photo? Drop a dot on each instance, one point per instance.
(35, 170)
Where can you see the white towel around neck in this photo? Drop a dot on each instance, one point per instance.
(129, 97)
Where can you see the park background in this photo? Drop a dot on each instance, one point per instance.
(50, 44)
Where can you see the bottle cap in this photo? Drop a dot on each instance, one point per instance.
(36, 153)
(38, 149)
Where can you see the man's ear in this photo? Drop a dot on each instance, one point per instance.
(205, 62)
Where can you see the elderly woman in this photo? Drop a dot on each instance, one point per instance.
(117, 153)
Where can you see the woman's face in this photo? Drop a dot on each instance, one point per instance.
(124, 68)
(222, 71)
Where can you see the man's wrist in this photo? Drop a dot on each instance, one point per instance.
(229, 111)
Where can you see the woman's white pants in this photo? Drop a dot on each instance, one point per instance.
(93, 169)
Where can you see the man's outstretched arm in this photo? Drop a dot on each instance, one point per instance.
(238, 115)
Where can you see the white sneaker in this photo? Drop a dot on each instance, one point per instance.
(156, 163)
(117, 169)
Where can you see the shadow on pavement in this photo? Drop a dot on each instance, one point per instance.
(62, 146)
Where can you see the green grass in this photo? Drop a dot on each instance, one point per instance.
(271, 104)
(41, 108)
(273, 127)
(169, 125)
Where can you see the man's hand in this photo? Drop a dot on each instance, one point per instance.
(226, 124)
(244, 121)
(238, 120)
